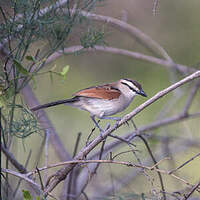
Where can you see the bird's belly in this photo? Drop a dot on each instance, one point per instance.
(102, 108)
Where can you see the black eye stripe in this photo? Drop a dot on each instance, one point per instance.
(129, 87)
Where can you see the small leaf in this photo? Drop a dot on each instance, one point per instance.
(31, 58)
(37, 198)
(20, 68)
(64, 71)
(27, 195)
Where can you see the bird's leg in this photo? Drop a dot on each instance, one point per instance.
(117, 119)
(112, 118)
(97, 125)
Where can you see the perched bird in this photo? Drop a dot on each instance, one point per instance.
(104, 100)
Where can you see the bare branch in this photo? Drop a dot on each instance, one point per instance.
(46, 124)
(185, 163)
(159, 95)
(133, 31)
(13, 160)
(128, 164)
(191, 97)
(46, 152)
(155, 163)
(139, 56)
(61, 174)
(191, 192)
(22, 176)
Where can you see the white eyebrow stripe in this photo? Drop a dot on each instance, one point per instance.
(130, 84)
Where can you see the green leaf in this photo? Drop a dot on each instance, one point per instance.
(20, 68)
(31, 58)
(64, 70)
(37, 198)
(27, 195)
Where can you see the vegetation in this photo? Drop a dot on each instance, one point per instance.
(36, 33)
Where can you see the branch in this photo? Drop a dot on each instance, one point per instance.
(160, 95)
(155, 163)
(191, 97)
(191, 192)
(127, 178)
(44, 121)
(149, 127)
(139, 56)
(121, 25)
(132, 30)
(42, 12)
(22, 176)
(61, 174)
(14, 162)
(128, 164)
(185, 163)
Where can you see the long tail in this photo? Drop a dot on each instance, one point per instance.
(55, 103)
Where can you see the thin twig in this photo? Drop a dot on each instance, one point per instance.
(191, 192)
(45, 123)
(155, 164)
(22, 176)
(64, 171)
(136, 55)
(71, 176)
(185, 163)
(123, 140)
(40, 178)
(92, 169)
(46, 152)
(191, 97)
(13, 160)
(144, 39)
(26, 164)
(152, 126)
(123, 152)
(128, 164)
(89, 136)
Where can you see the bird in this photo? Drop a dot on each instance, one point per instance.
(102, 101)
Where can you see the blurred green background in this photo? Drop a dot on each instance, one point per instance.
(176, 28)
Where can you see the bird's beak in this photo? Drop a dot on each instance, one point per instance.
(142, 93)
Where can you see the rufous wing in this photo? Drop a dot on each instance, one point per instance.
(101, 92)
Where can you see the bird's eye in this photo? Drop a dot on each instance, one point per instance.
(129, 87)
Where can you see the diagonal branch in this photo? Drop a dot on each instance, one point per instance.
(191, 97)
(31, 100)
(24, 177)
(191, 192)
(62, 173)
(13, 160)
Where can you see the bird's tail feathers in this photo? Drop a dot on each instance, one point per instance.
(55, 103)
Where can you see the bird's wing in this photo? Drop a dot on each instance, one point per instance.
(101, 92)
